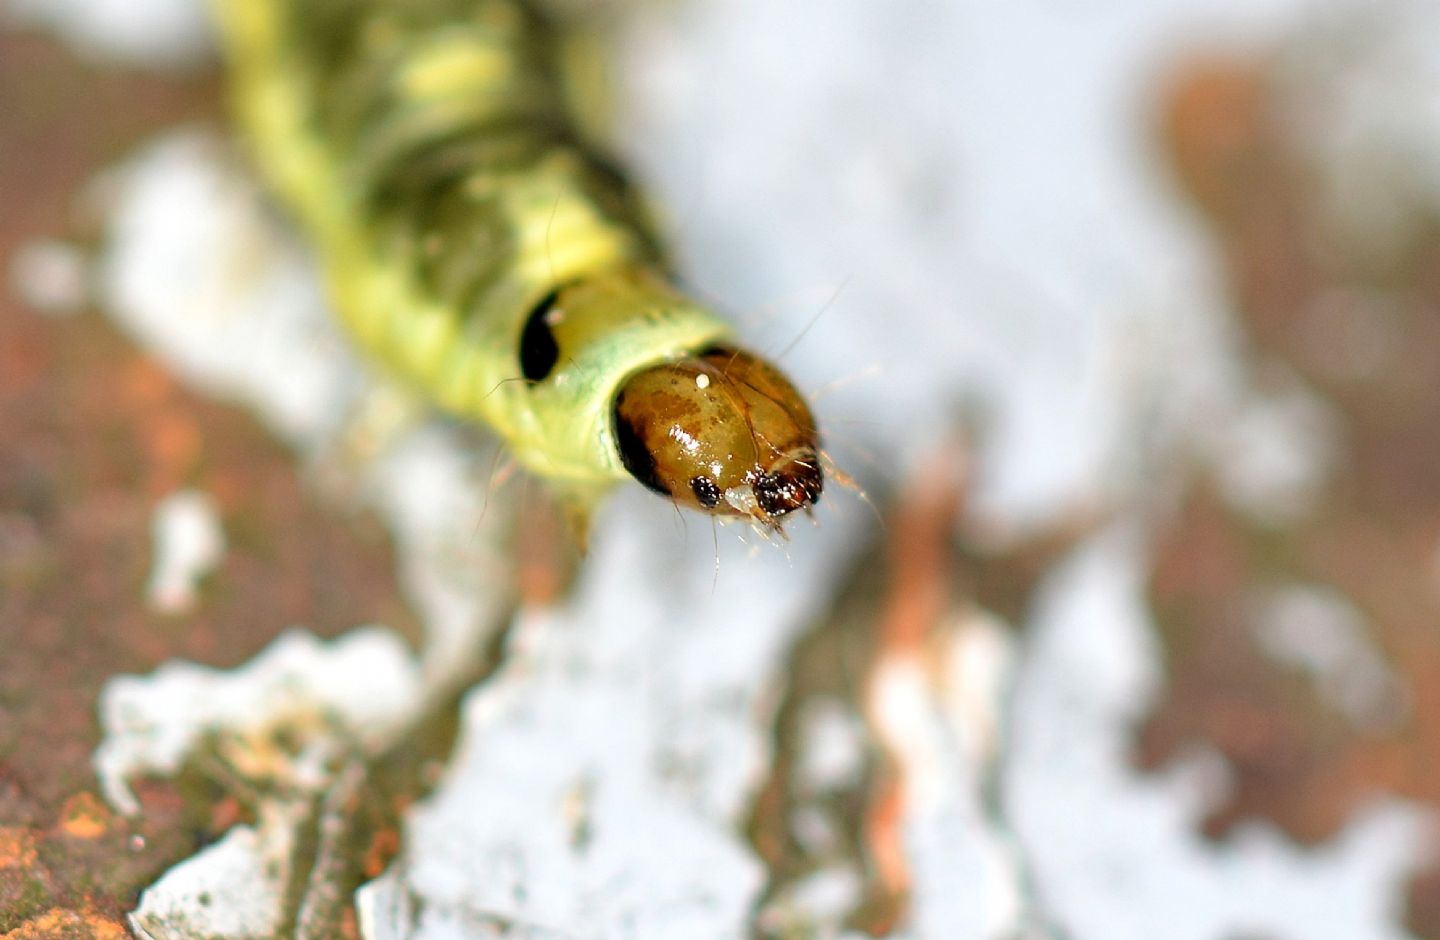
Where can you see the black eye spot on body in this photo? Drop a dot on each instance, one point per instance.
(705, 491)
(538, 350)
(634, 455)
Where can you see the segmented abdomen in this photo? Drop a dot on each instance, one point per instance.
(428, 148)
(436, 109)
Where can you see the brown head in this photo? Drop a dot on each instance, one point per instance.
(723, 432)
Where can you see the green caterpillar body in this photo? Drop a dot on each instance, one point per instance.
(473, 243)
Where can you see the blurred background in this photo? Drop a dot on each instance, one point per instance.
(1123, 314)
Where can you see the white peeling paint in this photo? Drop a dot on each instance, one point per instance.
(984, 179)
(899, 704)
(976, 670)
(978, 177)
(833, 746)
(199, 271)
(972, 689)
(198, 274)
(611, 755)
(1117, 854)
(1361, 86)
(188, 543)
(1320, 633)
(827, 896)
(979, 181)
(1276, 454)
(358, 687)
(943, 718)
(230, 889)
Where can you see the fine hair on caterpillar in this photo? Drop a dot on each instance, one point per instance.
(481, 249)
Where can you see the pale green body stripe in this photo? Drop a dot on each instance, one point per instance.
(445, 310)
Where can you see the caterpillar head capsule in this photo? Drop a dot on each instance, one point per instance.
(723, 432)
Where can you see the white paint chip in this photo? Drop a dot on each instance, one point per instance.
(360, 686)
(230, 889)
(188, 543)
(833, 745)
(1320, 633)
(1275, 456)
(1116, 852)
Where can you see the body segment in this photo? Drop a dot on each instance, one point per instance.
(473, 243)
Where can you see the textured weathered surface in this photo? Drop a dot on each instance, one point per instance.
(95, 436)
(930, 729)
(1302, 626)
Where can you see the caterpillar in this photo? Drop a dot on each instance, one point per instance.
(479, 247)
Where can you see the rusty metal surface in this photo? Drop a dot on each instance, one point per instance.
(907, 599)
(1297, 760)
(94, 434)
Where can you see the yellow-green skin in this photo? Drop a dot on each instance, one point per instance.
(426, 147)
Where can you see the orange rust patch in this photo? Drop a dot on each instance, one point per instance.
(384, 846)
(935, 563)
(83, 816)
(60, 924)
(1210, 125)
(226, 812)
(920, 554)
(1304, 303)
(17, 847)
(93, 434)
(889, 896)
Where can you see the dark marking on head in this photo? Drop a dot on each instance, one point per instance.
(706, 492)
(538, 350)
(636, 457)
(789, 488)
(724, 432)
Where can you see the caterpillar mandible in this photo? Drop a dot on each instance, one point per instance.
(478, 247)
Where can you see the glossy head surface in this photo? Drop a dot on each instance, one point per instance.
(723, 432)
